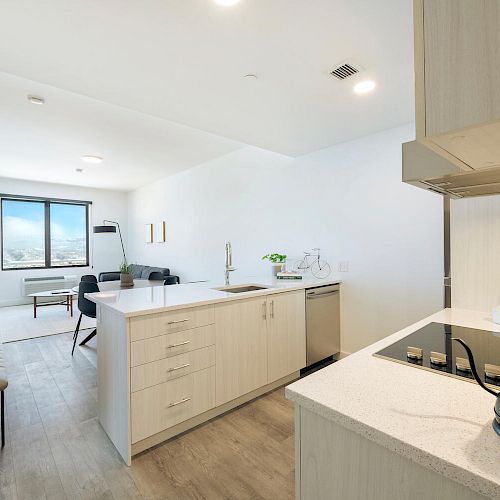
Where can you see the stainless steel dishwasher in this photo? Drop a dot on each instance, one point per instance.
(322, 322)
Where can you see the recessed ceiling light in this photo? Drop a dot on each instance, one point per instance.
(250, 76)
(227, 3)
(91, 159)
(34, 99)
(79, 170)
(364, 87)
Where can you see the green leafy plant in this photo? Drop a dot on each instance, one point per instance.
(124, 268)
(275, 258)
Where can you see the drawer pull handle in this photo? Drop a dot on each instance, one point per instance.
(184, 400)
(178, 367)
(179, 344)
(174, 321)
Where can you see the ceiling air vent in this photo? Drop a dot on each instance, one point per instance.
(344, 71)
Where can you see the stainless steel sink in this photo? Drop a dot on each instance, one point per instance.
(241, 288)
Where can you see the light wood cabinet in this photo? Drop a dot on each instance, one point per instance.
(153, 325)
(457, 75)
(462, 87)
(331, 459)
(241, 347)
(286, 334)
(164, 373)
(161, 406)
(160, 371)
(165, 346)
(258, 341)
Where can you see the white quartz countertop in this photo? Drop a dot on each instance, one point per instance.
(149, 300)
(439, 422)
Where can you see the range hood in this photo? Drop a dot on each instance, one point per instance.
(425, 167)
(457, 98)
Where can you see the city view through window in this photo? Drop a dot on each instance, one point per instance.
(25, 242)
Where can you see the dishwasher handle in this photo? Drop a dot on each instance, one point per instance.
(314, 295)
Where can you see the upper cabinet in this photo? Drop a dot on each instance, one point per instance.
(457, 53)
(457, 98)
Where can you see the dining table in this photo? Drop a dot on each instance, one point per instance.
(105, 286)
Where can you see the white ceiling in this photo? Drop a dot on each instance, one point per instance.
(45, 143)
(184, 61)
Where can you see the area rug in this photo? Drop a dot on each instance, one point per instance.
(17, 322)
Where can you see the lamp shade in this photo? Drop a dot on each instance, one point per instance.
(104, 229)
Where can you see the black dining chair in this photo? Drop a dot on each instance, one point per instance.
(172, 280)
(156, 276)
(89, 278)
(87, 308)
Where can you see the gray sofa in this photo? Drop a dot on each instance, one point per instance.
(139, 272)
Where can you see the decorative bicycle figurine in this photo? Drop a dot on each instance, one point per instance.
(312, 261)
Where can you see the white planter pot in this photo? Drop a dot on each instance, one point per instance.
(277, 268)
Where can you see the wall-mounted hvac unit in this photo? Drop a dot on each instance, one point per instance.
(47, 283)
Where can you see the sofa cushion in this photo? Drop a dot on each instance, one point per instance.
(147, 270)
(136, 270)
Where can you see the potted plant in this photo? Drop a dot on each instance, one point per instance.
(126, 278)
(277, 262)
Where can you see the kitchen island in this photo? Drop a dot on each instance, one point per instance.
(172, 357)
(406, 432)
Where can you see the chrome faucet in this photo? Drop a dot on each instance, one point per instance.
(229, 262)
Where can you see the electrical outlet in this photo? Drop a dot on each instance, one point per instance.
(343, 266)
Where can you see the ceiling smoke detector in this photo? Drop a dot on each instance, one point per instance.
(34, 99)
(345, 70)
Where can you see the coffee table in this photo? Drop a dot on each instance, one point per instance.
(67, 294)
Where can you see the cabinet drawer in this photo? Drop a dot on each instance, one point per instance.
(166, 346)
(165, 405)
(150, 374)
(144, 327)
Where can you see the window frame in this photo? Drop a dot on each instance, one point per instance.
(48, 250)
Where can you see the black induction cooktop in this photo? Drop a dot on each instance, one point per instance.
(432, 348)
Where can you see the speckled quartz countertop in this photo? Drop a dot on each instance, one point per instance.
(149, 300)
(439, 422)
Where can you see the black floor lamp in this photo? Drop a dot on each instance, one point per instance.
(111, 229)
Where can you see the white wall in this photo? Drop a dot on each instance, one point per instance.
(105, 249)
(348, 200)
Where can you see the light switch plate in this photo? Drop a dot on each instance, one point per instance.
(343, 266)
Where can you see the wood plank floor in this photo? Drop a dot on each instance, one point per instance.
(56, 449)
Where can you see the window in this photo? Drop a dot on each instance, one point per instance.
(44, 233)
(68, 235)
(23, 234)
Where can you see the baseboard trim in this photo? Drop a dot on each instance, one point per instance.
(162, 436)
(21, 301)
